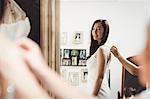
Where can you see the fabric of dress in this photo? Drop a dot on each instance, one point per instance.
(14, 31)
(17, 29)
(104, 91)
(145, 94)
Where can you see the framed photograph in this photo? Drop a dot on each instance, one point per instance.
(63, 40)
(66, 53)
(63, 73)
(73, 57)
(77, 37)
(82, 54)
(66, 62)
(74, 52)
(74, 61)
(84, 74)
(82, 62)
(73, 78)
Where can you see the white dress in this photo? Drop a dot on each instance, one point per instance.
(145, 94)
(17, 29)
(104, 92)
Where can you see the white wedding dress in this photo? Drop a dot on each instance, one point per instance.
(104, 91)
(17, 29)
(14, 31)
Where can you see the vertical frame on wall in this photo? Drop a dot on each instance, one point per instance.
(49, 37)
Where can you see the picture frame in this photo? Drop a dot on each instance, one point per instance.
(77, 37)
(66, 53)
(83, 54)
(66, 62)
(63, 74)
(73, 78)
(73, 57)
(64, 38)
(74, 61)
(82, 62)
(84, 75)
(74, 52)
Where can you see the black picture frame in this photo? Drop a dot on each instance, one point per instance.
(73, 57)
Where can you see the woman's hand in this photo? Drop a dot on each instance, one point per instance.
(115, 51)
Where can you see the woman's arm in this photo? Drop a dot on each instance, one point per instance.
(130, 67)
(101, 62)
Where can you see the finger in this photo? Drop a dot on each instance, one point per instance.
(112, 49)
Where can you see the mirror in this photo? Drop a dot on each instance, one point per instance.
(49, 18)
(126, 19)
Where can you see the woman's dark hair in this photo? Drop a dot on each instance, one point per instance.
(94, 44)
(2, 5)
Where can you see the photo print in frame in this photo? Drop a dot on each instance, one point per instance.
(73, 57)
(77, 37)
(73, 78)
(84, 74)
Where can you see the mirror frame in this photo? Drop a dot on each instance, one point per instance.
(49, 32)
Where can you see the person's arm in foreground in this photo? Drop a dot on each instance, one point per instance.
(14, 69)
(48, 77)
(133, 69)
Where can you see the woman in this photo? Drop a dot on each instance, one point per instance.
(98, 61)
(14, 24)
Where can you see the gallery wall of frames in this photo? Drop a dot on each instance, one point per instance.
(73, 58)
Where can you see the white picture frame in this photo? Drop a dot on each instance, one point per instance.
(77, 37)
(63, 38)
(73, 78)
(63, 73)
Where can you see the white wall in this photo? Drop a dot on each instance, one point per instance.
(127, 22)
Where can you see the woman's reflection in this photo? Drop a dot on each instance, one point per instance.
(98, 61)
